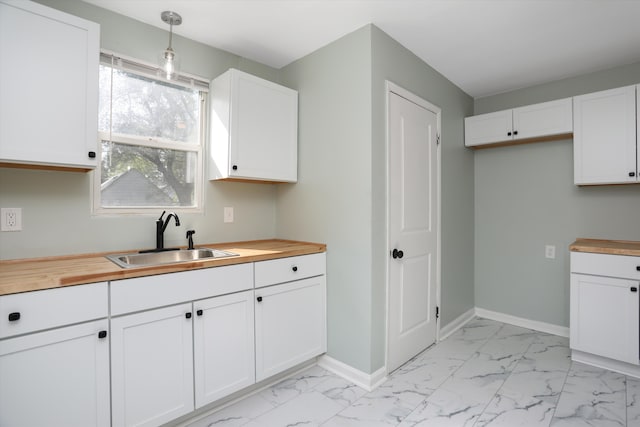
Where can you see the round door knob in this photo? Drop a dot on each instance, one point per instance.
(397, 254)
(259, 299)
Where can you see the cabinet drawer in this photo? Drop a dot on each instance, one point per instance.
(606, 265)
(143, 293)
(51, 308)
(289, 269)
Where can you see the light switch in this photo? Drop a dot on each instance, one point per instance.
(228, 214)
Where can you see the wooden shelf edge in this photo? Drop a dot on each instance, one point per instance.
(549, 138)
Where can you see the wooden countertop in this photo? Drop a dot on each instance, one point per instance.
(612, 247)
(53, 272)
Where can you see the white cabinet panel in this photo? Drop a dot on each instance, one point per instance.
(290, 325)
(48, 87)
(288, 269)
(547, 118)
(223, 346)
(152, 366)
(488, 128)
(604, 317)
(623, 266)
(604, 139)
(51, 308)
(254, 129)
(56, 378)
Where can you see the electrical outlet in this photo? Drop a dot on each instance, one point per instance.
(10, 219)
(228, 214)
(550, 251)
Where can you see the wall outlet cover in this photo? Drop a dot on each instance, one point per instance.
(10, 219)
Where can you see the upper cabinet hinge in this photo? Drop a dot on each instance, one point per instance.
(438, 139)
(437, 312)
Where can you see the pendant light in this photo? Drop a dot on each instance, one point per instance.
(168, 59)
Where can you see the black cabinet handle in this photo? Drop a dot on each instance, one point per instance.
(397, 254)
(632, 174)
(102, 334)
(294, 268)
(508, 133)
(259, 299)
(234, 167)
(638, 267)
(634, 289)
(199, 312)
(187, 315)
(92, 154)
(13, 317)
(515, 132)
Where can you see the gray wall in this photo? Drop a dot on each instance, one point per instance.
(525, 199)
(56, 205)
(341, 194)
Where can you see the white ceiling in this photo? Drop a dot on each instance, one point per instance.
(483, 46)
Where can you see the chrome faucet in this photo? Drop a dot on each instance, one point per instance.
(161, 225)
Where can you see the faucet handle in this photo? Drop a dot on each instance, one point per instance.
(161, 215)
(190, 234)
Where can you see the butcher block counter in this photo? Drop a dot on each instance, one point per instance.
(611, 247)
(33, 274)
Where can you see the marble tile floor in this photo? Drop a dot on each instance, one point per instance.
(485, 374)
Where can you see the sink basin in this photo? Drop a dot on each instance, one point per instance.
(167, 257)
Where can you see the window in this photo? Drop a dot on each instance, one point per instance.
(151, 133)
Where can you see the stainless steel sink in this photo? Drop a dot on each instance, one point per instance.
(136, 259)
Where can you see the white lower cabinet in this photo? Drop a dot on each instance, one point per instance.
(290, 325)
(223, 346)
(605, 310)
(152, 366)
(59, 377)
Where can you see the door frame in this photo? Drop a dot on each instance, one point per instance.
(390, 88)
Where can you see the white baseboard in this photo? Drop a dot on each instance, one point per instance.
(367, 381)
(606, 363)
(456, 324)
(548, 328)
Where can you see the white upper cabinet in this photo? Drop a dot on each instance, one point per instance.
(604, 141)
(519, 124)
(254, 129)
(48, 87)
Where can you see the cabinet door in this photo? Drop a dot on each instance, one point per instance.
(544, 119)
(488, 128)
(223, 346)
(152, 366)
(264, 130)
(56, 378)
(290, 325)
(604, 137)
(604, 317)
(49, 87)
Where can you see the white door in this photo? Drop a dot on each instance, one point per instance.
(58, 377)
(152, 366)
(290, 325)
(223, 346)
(413, 228)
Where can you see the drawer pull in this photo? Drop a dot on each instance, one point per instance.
(638, 268)
(259, 299)
(294, 268)
(199, 312)
(634, 289)
(14, 317)
(187, 315)
(102, 334)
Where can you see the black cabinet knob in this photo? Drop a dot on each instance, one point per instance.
(397, 254)
(508, 133)
(634, 289)
(632, 174)
(102, 334)
(294, 268)
(638, 267)
(13, 317)
(259, 299)
(234, 167)
(199, 312)
(515, 132)
(187, 315)
(92, 154)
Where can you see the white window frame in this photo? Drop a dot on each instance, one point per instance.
(136, 66)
